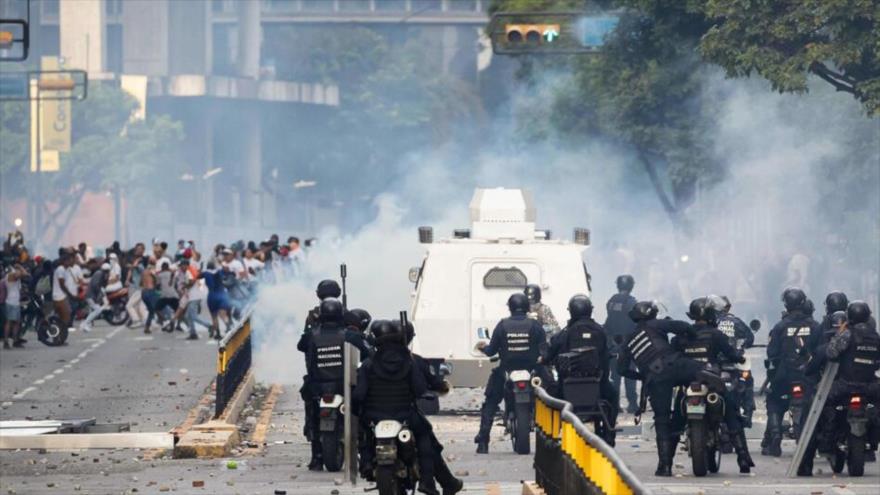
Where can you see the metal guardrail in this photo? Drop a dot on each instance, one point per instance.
(233, 362)
(572, 460)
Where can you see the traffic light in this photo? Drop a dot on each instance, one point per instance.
(531, 33)
(550, 32)
(50, 85)
(14, 40)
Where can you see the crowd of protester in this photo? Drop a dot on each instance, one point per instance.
(176, 288)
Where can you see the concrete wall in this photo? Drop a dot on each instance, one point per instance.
(145, 37)
(189, 37)
(83, 35)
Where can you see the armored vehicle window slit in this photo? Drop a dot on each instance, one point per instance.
(505, 278)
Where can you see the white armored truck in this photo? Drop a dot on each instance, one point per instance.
(462, 286)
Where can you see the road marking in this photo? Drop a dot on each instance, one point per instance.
(97, 342)
(142, 339)
(24, 392)
(259, 435)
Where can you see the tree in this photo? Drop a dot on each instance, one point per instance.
(784, 42)
(108, 153)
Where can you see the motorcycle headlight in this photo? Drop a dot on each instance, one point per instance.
(404, 436)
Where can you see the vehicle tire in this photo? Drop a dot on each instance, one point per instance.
(116, 315)
(698, 448)
(522, 430)
(52, 332)
(386, 481)
(332, 451)
(855, 458)
(837, 459)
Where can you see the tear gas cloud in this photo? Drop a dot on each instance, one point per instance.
(765, 226)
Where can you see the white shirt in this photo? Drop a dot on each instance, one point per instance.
(236, 267)
(13, 291)
(253, 264)
(198, 290)
(76, 272)
(61, 274)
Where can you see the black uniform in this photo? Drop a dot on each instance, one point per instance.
(660, 368)
(619, 326)
(857, 349)
(518, 340)
(585, 332)
(388, 386)
(305, 391)
(788, 355)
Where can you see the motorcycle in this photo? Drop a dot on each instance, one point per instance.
(703, 410)
(396, 468)
(114, 312)
(850, 433)
(519, 408)
(331, 430)
(797, 402)
(580, 385)
(40, 317)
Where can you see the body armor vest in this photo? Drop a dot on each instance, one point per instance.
(329, 352)
(583, 333)
(795, 334)
(862, 358)
(389, 394)
(517, 350)
(700, 348)
(647, 349)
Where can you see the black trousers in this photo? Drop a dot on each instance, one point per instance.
(495, 394)
(632, 398)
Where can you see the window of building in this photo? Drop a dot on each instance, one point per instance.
(114, 48)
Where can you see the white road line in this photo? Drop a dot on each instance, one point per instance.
(142, 339)
(24, 392)
(96, 342)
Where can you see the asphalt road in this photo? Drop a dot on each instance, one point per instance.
(124, 377)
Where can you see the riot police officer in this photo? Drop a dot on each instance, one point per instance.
(388, 386)
(325, 365)
(583, 331)
(741, 337)
(708, 345)
(854, 344)
(540, 311)
(518, 340)
(435, 383)
(619, 326)
(787, 356)
(326, 289)
(660, 368)
(358, 321)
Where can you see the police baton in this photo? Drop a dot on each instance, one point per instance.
(343, 272)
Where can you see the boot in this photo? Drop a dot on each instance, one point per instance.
(665, 449)
(317, 462)
(743, 458)
(774, 435)
(450, 484)
(487, 416)
(806, 467)
(427, 485)
(482, 446)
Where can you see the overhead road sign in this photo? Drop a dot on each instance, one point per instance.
(15, 30)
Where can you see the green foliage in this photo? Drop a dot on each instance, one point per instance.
(838, 40)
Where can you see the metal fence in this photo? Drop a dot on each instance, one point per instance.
(233, 363)
(570, 459)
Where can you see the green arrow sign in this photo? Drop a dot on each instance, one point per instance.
(550, 35)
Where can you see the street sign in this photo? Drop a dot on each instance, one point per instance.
(14, 30)
(514, 33)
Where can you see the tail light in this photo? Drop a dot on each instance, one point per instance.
(797, 391)
(855, 402)
(521, 385)
(695, 400)
(325, 413)
(327, 397)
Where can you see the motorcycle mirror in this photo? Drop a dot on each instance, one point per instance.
(755, 325)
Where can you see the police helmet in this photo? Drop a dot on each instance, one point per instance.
(858, 312)
(328, 288)
(809, 307)
(835, 301)
(727, 304)
(409, 332)
(330, 310)
(837, 318)
(717, 302)
(703, 309)
(358, 318)
(386, 332)
(518, 303)
(533, 292)
(794, 298)
(626, 283)
(580, 306)
(644, 310)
